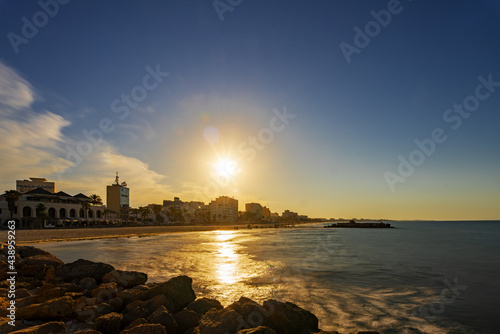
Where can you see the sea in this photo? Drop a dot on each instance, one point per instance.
(419, 277)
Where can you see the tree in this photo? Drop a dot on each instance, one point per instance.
(41, 214)
(144, 211)
(85, 207)
(12, 196)
(95, 199)
(157, 209)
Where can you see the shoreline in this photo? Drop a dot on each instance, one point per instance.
(37, 236)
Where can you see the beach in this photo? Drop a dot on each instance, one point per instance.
(90, 233)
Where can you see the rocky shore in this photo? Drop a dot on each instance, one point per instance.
(88, 297)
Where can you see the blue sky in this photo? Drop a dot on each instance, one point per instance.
(352, 120)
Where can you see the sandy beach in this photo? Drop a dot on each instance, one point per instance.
(56, 235)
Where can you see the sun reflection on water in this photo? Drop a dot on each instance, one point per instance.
(227, 258)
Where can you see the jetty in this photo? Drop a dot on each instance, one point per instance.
(353, 224)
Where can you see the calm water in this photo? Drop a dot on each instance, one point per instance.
(421, 277)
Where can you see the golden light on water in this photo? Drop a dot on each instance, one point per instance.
(227, 258)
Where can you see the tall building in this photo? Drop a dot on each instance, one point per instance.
(24, 186)
(117, 198)
(266, 213)
(254, 208)
(224, 209)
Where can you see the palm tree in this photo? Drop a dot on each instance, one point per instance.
(144, 211)
(12, 196)
(157, 209)
(41, 213)
(85, 207)
(95, 199)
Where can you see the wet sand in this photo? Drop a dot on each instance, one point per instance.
(72, 234)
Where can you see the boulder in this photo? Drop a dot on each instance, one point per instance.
(105, 292)
(47, 292)
(27, 251)
(109, 323)
(257, 330)
(22, 293)
(146, 329)
(159, 300)
(179, 289)
(53, 309)
(87, 283)
(82, 268)
(37, 265)
(252, 313)
(137, 322)
(203, 305)
(135, 314)
(186, 319)
(288, 318)
(133, 294)
(88, 331)
(163, 317)
(126, 279)
(47, 328)
(220, 322)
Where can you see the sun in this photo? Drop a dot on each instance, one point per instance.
(226, 168)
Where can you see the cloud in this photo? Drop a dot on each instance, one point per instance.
(31, 145)
(15, 92)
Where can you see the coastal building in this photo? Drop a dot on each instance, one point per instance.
(61, 208)
(224, 209)
(188, 210)
(266, 213)
(290, 216)
(24, 186)
(255, 209)
(118, 198)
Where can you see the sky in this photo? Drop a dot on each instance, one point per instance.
(366, 109)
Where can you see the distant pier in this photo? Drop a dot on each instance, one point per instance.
(353, 224)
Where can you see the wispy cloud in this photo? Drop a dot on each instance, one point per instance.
(15, 92)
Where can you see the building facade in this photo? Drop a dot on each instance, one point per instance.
(256, 209)
(61, 208)
(24, 186)
(118, 198)
(224, 209)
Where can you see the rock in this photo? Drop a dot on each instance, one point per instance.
(135, 314)
(109, 323)
(186, 319)
(105, 292)
(146, 329)
(37, 265)
(163, 317)
(288, 318)
(220, 322)
(131, 306)
(203, 305)
(82, 268)
(28, 251)
(133, 294)
(127, 279)
(157, 301)
(367, 332)
(87, 283)
(47, 292)
(88, 331)
(53, 309)
(22, 293)
(117, 303)
(47, 328)
(137, 322)
(178, 289)
(257, 330)
(252, 313)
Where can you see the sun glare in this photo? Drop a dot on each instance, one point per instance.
(226, 168)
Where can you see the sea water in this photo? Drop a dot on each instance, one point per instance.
(420, 277)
